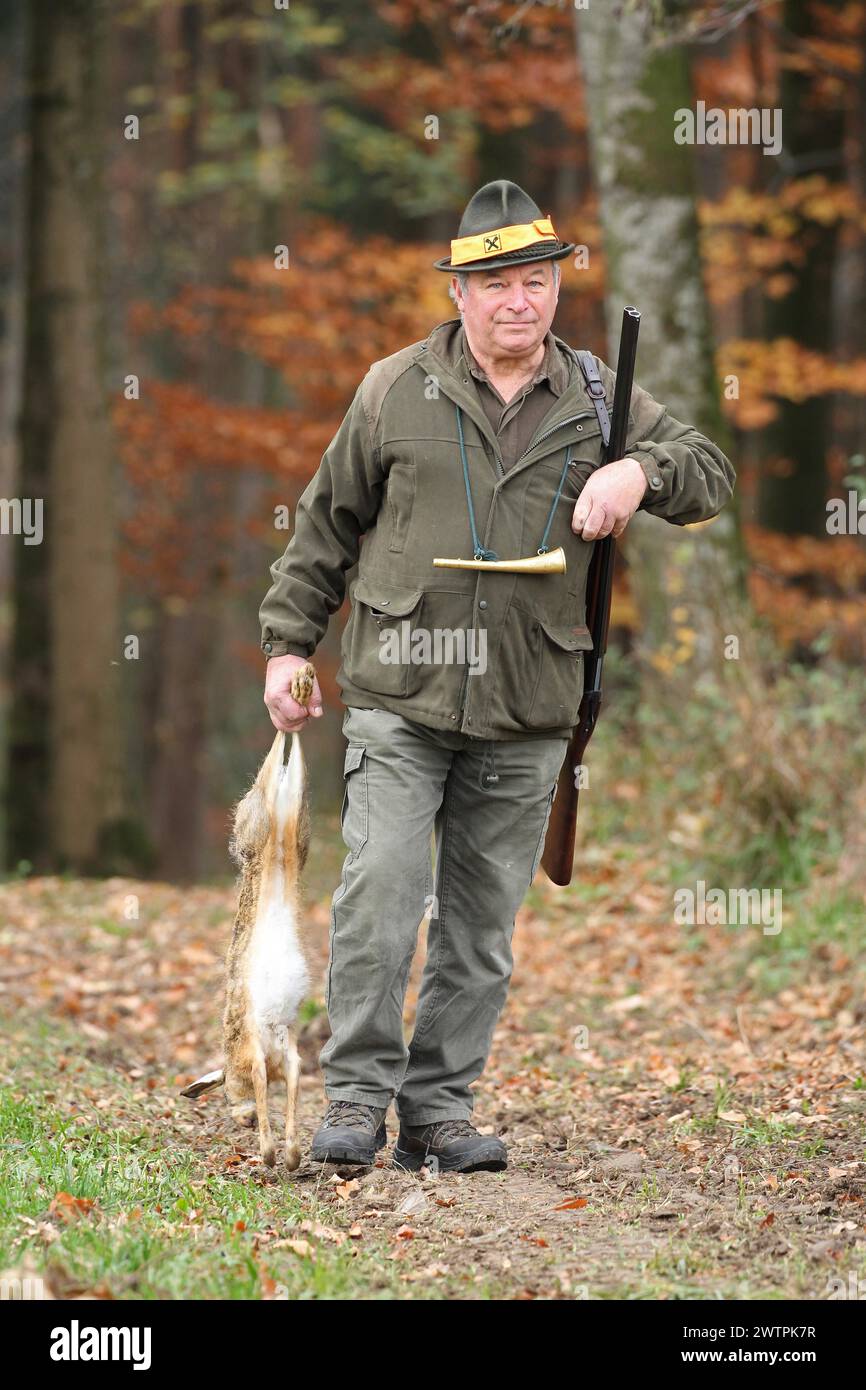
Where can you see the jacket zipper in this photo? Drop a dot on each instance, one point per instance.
(540, 440)
(572, 419)
(583, 415)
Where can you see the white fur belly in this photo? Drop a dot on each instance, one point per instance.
(278, 977)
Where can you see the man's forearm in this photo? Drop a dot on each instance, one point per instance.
(297, 607)
(689, 478)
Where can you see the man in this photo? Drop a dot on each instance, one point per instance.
(462, 686)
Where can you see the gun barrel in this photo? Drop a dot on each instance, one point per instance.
(558, 857)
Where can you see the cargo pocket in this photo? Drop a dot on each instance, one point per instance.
(354, 810)
(378, 650)
(559, 687)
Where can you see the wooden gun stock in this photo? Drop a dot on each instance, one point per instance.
(558, 857)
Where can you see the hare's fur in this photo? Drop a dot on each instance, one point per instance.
(267, 976)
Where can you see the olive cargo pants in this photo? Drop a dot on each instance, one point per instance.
(403, 781)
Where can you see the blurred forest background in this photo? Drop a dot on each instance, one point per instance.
(169, 385)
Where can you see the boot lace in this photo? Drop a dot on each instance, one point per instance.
(454, 1129)
(351, 1114)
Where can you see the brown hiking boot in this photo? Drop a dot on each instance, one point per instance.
(349, 1133)
(456, 1146)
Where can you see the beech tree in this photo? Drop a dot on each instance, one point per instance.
(647, 189)
(64, 733)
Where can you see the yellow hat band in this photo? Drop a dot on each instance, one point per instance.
(488, 244)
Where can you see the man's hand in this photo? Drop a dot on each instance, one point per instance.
(286, 714)
(609, 500)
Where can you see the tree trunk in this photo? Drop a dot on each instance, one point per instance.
(647, 194)
(64, 775)
(793, 487)
(13, 171)
(849, 299)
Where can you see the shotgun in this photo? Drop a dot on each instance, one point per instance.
(558, 857)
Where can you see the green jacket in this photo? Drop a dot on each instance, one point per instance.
(392, 477)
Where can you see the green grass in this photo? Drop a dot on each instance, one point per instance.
(162, 1226)
(723, 1100)
(807, 925)
(120, 929)
(757, 1131)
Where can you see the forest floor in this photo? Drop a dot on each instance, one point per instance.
(683, 1107)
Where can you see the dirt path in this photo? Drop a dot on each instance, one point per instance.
(675, 1130)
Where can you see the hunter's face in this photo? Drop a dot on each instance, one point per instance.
(506, 313)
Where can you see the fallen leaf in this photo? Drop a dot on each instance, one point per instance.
(626, 1005)
(415, 1201)
(70, 1208)
(300, 1247)
(323, 1232)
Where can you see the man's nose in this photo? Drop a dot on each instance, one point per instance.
(517, 299)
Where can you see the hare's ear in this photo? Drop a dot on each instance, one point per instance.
(208, 1082)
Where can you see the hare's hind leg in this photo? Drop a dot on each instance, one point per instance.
(260, 1087)
(292, 1064)
(237, 1083)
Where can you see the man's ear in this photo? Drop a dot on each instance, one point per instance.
(458, 293)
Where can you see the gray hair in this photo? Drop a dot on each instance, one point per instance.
(462, 277)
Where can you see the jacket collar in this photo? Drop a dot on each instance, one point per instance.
(441, 356)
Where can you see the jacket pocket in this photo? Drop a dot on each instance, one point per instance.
(559, 684)
(378, 637)
(400, 499)
(354, 810)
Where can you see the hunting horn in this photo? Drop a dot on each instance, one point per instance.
(551, 562)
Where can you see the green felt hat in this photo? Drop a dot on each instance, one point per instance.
(502, 226)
